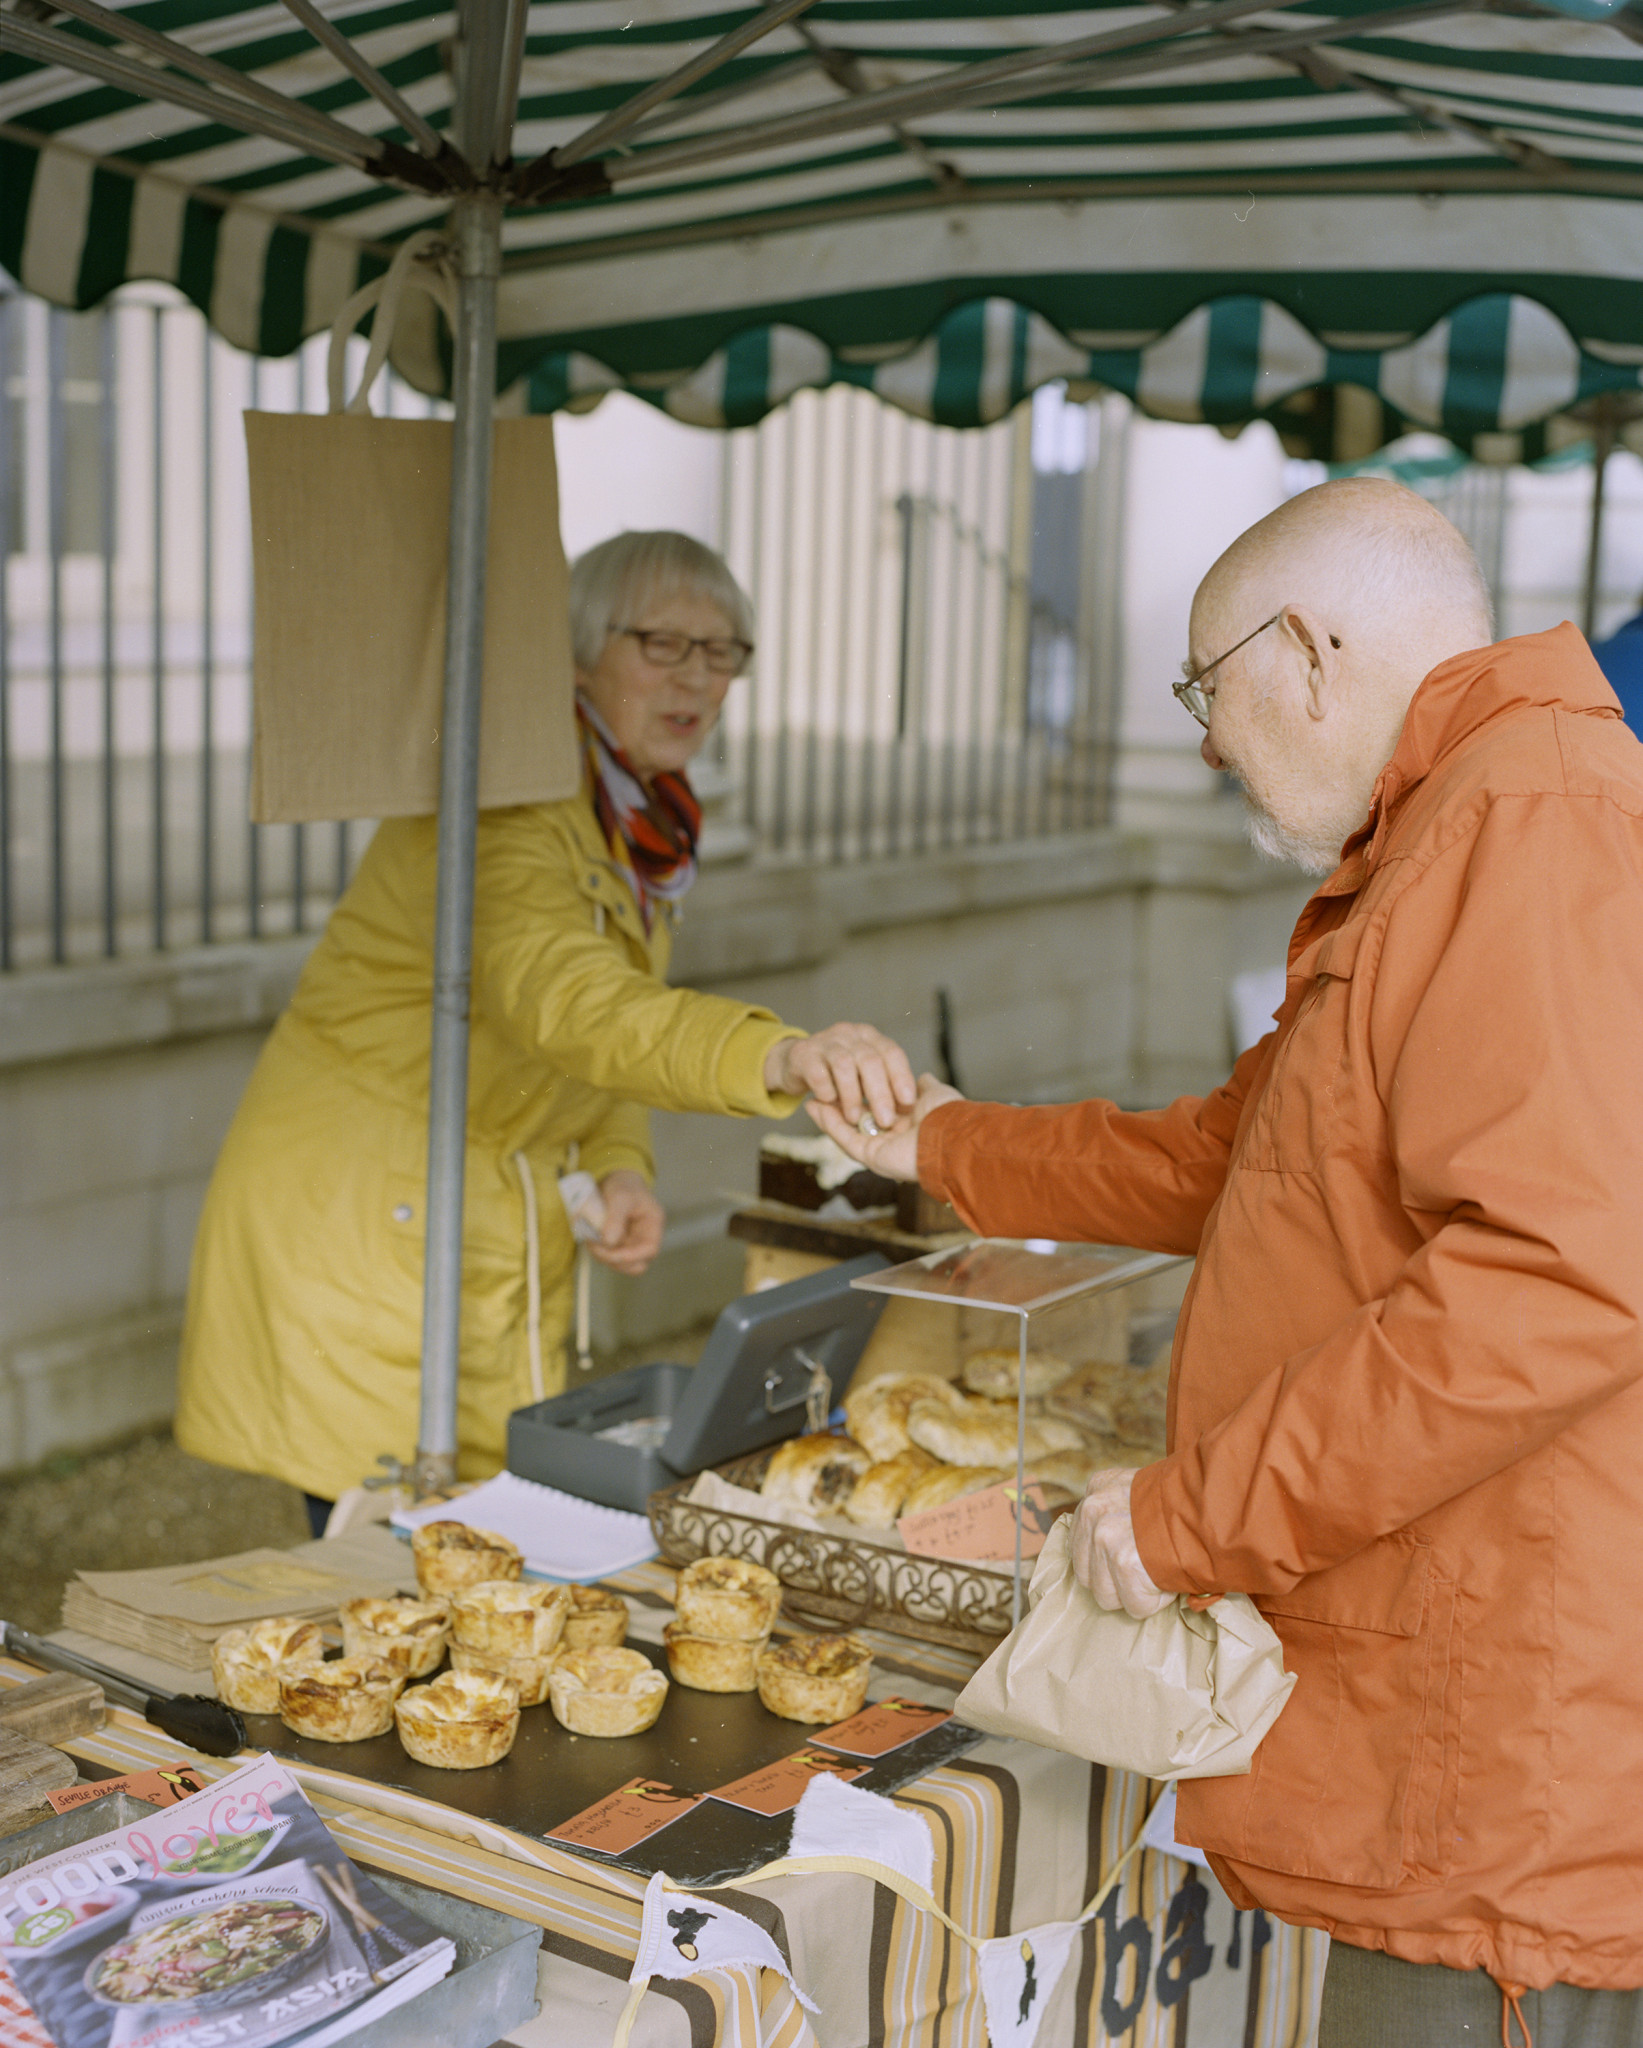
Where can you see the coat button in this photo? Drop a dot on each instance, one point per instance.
(403, 1212)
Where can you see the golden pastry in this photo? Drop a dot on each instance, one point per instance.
(815, 1472)
(985, 1432)
(606, 1692)
(246, 1662)
(530, 1674)
(409, 1634)
(1139, 1418)
(450, 1554)
(347, 1701)
(948, 1482)
(709, 1663)
(995, 1374)
(727, 1598)
(876, 1414)
(815, 1678)
(461, 1722)
(597, 1619)
(882, 1488)
(1089, 1396)
(510, 1617)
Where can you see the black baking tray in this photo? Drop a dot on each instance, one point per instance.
(701, 1739)
(748, 1389)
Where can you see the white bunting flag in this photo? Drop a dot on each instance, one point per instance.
(1019, 1973)
(836, 1819)
(682, 1935)
(1159, 1832)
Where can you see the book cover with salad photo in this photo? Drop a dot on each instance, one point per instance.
(230, 1920)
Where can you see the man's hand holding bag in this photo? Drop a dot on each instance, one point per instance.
(1178, 1695)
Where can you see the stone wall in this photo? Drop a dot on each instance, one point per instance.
(1096, 964)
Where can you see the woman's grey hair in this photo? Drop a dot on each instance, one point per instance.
(611, 583)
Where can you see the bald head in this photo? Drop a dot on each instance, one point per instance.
(1363, 589)
(1370, 556)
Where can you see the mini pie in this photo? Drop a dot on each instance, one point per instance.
(817, 1472)
(727, 1598)
(409, 1634)
(994, 1374)
(597, 1619)
(341, 1702)
(709, 1663)
(876, 1414)
(246, 1662)
(947, 1482)
(450, 1554)
(815, 1678)
(882, 1488)
(463, 1721)
(530, 1674)
(509, 1618)
(606, 1692)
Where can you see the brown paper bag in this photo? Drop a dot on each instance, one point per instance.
(350, 526)
(1181, 1695)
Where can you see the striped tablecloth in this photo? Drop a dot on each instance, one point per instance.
(1023, 1836)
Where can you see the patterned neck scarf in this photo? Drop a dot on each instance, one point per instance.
(652, 832)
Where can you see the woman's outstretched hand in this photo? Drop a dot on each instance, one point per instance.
(632, 1235)
(893, 1149)
(850, 1066)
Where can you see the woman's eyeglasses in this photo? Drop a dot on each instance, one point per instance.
(673, 650)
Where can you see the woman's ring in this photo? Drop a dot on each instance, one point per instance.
(867, 1124)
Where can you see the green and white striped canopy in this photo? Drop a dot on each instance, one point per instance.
(1211, 206)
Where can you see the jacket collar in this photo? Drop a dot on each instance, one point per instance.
(1535, 671)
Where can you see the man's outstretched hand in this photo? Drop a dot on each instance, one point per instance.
(851, 1066)
(1104, 1554)
(893, 1150)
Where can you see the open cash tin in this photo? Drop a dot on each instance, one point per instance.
(750, 1388)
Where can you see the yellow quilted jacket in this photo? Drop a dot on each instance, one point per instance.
(302, 1339)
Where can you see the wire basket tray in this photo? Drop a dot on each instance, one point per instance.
(839, 1582)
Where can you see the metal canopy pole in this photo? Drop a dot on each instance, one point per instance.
(491, 42)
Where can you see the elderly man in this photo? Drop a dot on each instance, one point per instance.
(1405, 1412)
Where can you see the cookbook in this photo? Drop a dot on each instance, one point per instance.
(230, 1920)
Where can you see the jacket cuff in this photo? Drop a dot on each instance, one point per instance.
(1149, 1516)
(933, 1133)
(741, 1066)
(618, 1157)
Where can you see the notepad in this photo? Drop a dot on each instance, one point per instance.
(559, 1536)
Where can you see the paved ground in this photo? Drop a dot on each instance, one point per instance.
(147, 1503)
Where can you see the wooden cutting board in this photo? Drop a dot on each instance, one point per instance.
(52, 1709)
(28, 1771)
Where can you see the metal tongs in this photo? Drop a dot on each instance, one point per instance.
(190, 1718)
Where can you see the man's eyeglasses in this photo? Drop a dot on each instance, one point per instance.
(1191, 692)
(673, 650)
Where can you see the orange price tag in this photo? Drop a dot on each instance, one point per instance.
(981, 1526)
(160, 1788)
(780, 1786)
(629, 1815)
(884, 1726)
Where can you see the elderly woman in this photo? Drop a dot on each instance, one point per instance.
(301, 1348)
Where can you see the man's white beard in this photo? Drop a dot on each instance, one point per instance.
(1312, 855)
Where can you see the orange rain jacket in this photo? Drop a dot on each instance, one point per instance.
(1407, 1392)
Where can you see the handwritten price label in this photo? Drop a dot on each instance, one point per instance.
(624, 1818)
(884, 1726)
(159, 1788)
(981, 1525)
(780, 1786)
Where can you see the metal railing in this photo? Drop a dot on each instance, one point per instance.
(125, 638)
(918, 685)
(927, 676)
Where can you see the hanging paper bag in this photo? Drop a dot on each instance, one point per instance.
(350, 521)
(1180, 1695)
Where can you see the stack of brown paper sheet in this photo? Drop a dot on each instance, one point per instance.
(176, 1612)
